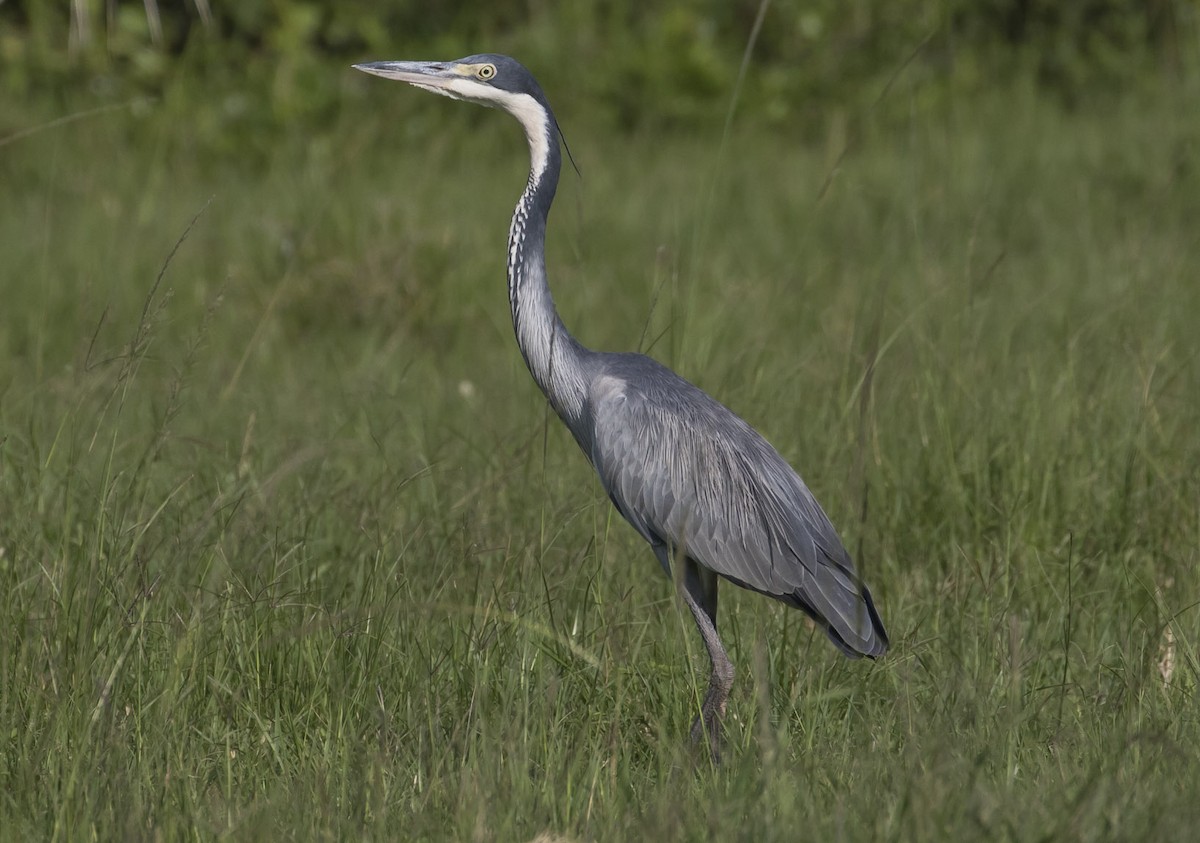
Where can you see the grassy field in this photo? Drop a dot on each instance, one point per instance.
(291, 547)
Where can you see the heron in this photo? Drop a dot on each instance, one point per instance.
(711, 496)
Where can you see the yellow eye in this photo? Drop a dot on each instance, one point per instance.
(486, 72)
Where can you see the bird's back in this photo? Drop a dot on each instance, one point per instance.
(688, 473)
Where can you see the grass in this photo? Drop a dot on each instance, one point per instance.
(290, 546)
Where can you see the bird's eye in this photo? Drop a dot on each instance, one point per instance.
(486, 72)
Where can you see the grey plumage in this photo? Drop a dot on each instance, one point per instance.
(691, 475)
(697, 482)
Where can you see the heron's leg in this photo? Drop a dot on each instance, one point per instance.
(700, 594)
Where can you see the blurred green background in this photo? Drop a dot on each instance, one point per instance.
(241, 65)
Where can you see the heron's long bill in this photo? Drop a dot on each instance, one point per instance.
(430, 75)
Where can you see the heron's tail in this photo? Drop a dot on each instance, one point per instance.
(842, 606)
(864, 637)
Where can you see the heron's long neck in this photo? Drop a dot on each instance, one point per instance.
(554, 358)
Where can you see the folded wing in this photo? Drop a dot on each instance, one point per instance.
(687, 472)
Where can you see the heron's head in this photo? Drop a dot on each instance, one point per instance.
(488, 79)
(491, 80)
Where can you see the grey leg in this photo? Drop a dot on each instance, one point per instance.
(700, 594)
